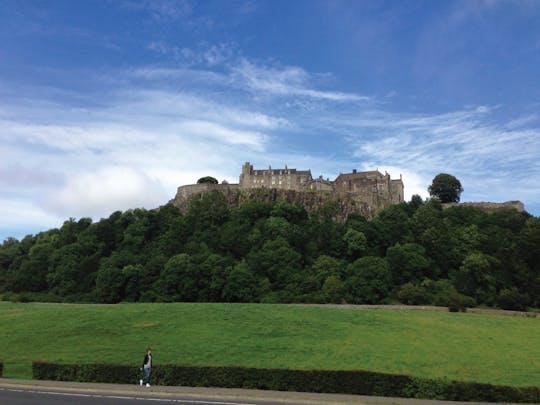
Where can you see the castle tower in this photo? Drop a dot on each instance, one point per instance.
(247, 170)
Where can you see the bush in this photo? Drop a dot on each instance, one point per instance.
(410, 294)
(512, 299)
(445, 294)
(105, 373)
(328, 381)
(24, 297)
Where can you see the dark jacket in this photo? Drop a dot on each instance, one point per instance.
(146, 359)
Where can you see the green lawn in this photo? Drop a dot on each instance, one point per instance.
(483, 348)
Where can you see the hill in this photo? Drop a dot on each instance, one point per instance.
(464, 347)
(278, 252)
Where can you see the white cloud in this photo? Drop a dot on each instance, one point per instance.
(98, 193)
(18, 215)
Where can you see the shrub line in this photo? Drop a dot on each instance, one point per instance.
(356, 382)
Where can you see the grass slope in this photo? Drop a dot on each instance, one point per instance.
(482, 348)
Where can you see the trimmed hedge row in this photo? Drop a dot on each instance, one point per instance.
(327, 381)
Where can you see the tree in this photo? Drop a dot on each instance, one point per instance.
(356, 243)
(242, 285)
(178, 280)
(477, 277)
(408, 262)
(333, 290)
(446, 188)
(275, 260)
(369, 281)
(207, 180)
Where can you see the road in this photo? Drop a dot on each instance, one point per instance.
(12, 396)
(34, 392)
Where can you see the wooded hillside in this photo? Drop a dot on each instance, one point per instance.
(414, 253)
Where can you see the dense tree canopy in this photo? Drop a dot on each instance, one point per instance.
(413, 253)
(207, 179)
(446, 188)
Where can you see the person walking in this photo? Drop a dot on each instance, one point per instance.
(146, 367)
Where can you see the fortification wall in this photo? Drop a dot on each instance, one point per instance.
(311, 200)
(186, 192)
(490, 206)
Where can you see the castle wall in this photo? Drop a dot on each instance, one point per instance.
(396, 191)
(186, 192)
(490, 206)
(372, 187)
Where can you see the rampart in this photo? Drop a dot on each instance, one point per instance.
(490, 206)
(186, 192)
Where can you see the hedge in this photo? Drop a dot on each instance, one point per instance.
(327, 381)
(1, 369)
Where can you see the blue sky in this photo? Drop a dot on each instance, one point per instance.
(112, 104)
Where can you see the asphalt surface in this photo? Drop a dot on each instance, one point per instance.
(34, 392)
(10, 396)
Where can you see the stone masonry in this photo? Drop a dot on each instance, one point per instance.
(364, 193)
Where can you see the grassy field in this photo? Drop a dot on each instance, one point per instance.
(468, 347)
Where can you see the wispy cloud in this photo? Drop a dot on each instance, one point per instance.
(287, 81)
(490, 158)
(132, 151)
(161, 10)
(202, 55)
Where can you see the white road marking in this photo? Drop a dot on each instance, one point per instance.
(74, 394)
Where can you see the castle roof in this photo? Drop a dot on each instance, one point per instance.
(276, 172)
(372, 174)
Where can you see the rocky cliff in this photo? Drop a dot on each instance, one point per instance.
(311, 200)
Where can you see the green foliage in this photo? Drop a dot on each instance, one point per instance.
(369, 280)
(408, 262)
(512, 299)
(178, 280)
(207, 180)
(333, 289)
(356, 243)
(446, 188)
(411, 294)
(324, 381)
(477, 277)
(241, 285)
(282, 254)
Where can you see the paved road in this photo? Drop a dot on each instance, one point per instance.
(11, 396)
(34, 392)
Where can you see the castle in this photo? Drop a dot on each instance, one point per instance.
(371, 187)
(364, 193)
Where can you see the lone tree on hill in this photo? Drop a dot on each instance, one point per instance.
(207, 179)
(446, 188)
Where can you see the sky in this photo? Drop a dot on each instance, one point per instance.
(111, 105)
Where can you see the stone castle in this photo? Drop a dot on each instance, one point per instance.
(372, 187)
(364, 193)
